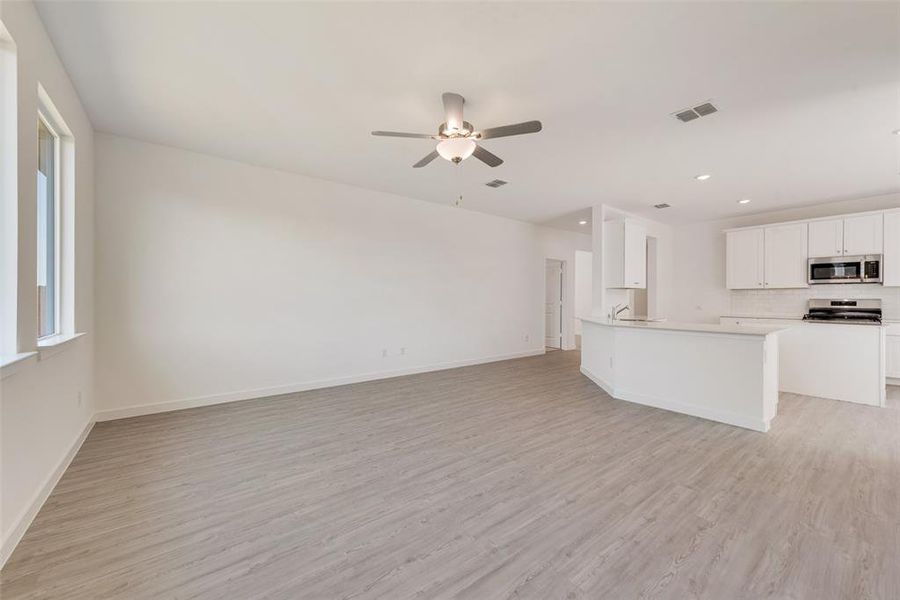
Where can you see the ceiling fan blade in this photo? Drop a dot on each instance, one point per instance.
(426, 136)
(453, 109)
(507, 130)
(491, 160)
(426, 160)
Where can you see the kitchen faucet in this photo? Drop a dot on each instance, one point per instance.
(616, 311)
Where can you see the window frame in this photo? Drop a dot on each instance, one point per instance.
(47, 122)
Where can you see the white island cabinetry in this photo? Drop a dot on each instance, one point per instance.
(727, 374)
(838, 361)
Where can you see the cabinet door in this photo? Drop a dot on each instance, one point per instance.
(892, 356)
(614, 254)
(785, 256)
(826, 238)
(863, 235)
(635, 255)
(744, 252)
(890, 266)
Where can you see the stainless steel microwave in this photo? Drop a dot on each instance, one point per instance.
(845, 269)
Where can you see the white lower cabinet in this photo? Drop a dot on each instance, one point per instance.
(892, 356)
(892, 351)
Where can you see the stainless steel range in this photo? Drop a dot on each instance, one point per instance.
(864, 312)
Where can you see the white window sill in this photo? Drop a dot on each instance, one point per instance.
(50, 346)
(11, 364)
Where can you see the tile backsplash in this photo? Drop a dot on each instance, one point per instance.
(793, 302)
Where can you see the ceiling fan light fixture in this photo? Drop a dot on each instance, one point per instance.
(456, 149)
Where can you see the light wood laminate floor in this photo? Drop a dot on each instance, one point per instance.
(518, 479)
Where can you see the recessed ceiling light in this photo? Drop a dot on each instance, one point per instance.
(703, 177)
(744, 201)
(582, 222)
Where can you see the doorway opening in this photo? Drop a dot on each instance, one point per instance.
(553, 303)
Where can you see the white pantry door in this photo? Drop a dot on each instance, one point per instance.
(553, 305)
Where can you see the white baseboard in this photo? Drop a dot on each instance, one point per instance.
(23, 521)
(170, 405)
(607, 387)
(693, 410)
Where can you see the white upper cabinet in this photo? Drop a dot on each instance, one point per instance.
(625, 247)
(766, 257)
(826, 238)
(890, 265)
(785, 256)
(744, 259)
(775, 256)
(635, 255)
(863, 235)
(850, 236)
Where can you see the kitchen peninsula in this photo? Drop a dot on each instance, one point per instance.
(725, 373)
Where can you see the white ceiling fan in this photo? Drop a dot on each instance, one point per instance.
(458, 137)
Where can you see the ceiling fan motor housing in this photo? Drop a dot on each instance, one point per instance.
(464, 131)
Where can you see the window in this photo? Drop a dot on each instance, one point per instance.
(9, 198)
(48, 230)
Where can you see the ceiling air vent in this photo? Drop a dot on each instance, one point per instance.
(496, 183)
(705, 109)
(690, 114)
(687, 115)
(661, 205)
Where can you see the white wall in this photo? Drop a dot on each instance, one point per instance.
(219, 280)
(699, 292)
(41, 418)
(583, 286)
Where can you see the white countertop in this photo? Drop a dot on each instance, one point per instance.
(790, 321)
(693, 327)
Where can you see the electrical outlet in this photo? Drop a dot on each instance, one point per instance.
(79, 397)
(527, 337)
(384, 353)
(402, 351)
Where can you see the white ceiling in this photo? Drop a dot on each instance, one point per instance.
(809, 94)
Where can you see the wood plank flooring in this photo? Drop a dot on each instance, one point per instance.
(518, 479)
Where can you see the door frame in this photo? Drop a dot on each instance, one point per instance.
(563, 300)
